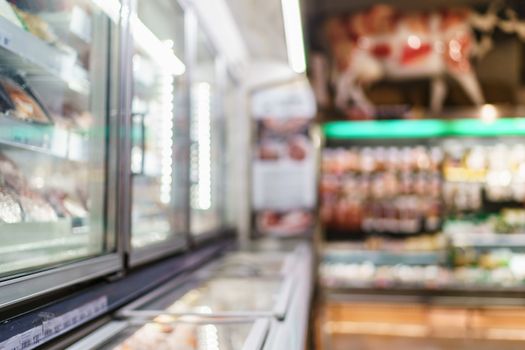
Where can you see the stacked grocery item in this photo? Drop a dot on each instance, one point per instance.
(382, 190)
(21, 202)
(469, 195)
(509, 274)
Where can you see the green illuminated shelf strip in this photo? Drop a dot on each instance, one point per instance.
(427, 128)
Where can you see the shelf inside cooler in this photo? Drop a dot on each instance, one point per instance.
(22, 51)
(43, 139)
(30, 244)
(423, 128)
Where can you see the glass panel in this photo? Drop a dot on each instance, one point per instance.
(207, 151)
(231, 125)
(53, 144)
(221, 294)
(158, 118)
(249, 264)
(187, 336)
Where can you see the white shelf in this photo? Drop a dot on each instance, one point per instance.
(22, 51)
(487, 240)
(383, 257)
(44, 139)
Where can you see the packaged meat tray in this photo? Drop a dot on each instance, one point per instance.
(19, 100)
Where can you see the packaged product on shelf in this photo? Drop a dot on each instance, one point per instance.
(36, 26)
(382, 190)
(36, 208)
(6, 103)
(10, 210)
(26, 104)
(33, 206)
(71, 119)
(11, 175)
(369, 275)
(161, 336)
(66, 205)
(285, 223)
(492, 173)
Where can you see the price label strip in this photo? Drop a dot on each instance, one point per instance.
(55, 326)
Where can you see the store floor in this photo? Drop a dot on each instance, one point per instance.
(373, 342)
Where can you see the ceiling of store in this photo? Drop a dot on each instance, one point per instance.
(261, 25)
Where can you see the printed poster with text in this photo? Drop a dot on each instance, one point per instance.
(284, 160)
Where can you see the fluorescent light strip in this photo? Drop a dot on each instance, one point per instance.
(166, 178)
(159, 51)
(294, 35)
(202, 197)
(144, 37)
(110, 8)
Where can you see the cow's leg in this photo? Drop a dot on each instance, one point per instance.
(438, 93)
(470, 83)
(349, 89)
(342, 95)
(320, 79)
(358, 96)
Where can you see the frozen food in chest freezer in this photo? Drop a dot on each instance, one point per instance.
(182, 336)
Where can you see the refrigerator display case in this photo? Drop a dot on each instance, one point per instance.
(185, 333)
(208, 147)
(159, 130)
(57, 145)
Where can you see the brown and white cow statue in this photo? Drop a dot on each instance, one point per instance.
(382, 43)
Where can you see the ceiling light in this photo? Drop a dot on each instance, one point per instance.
(160, 51)
(294, 35)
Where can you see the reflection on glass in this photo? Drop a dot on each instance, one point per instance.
(207, 149)
(52, 134)
(221, 294)
(156, 212)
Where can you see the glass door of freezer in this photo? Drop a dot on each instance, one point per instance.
(215, 293)
(208, 149)
(158, 129)
(56, 203)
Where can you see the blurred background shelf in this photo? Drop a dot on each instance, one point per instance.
(384, 257)
(488, 240)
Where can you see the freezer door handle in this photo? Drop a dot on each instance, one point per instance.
(257, 336)
(233, 315)
(281, 306)
(138, 143)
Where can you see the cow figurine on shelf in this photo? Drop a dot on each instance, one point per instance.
(384, 44)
